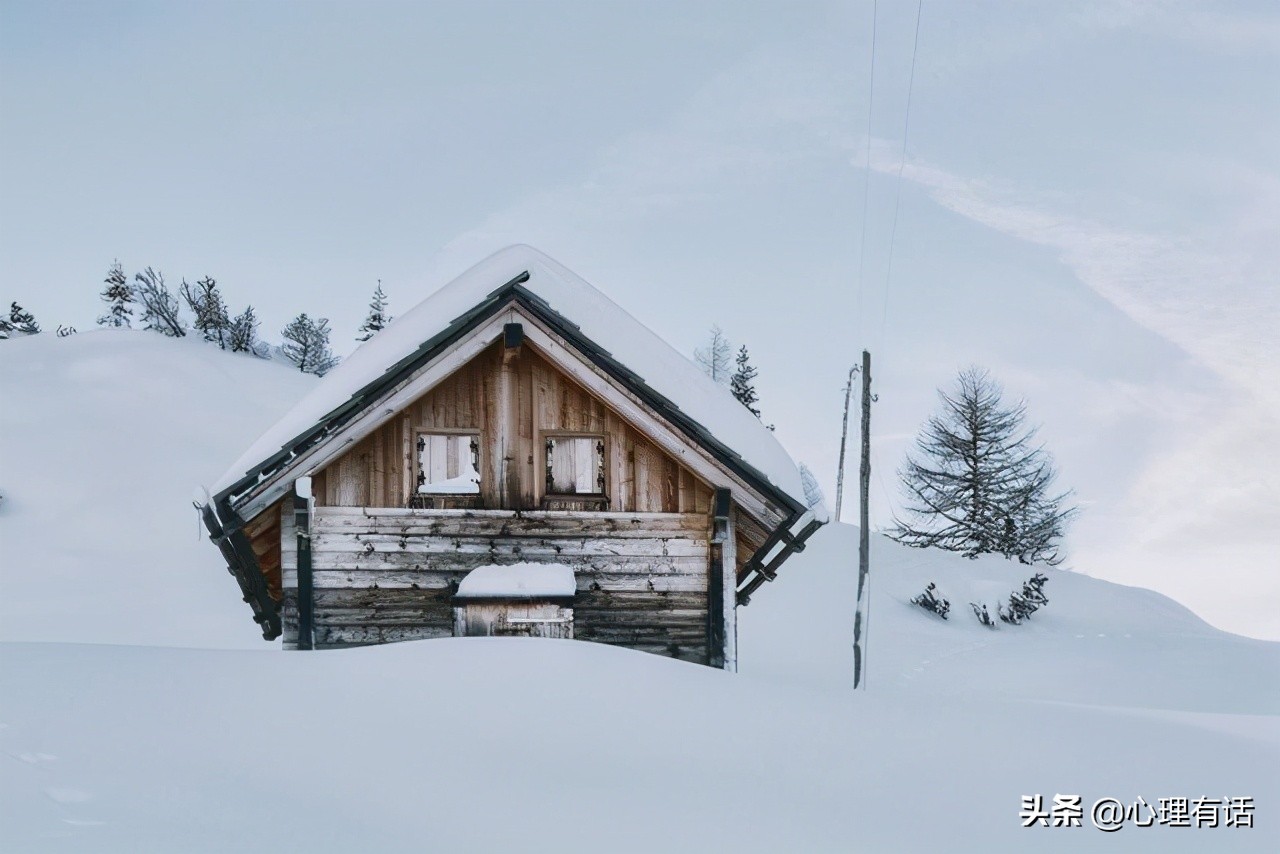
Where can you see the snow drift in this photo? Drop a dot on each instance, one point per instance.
(483, 744)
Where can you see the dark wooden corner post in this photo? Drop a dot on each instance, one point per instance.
(306, 594)
(722, 599)
(509, 416)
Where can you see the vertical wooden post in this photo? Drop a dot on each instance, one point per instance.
(306, 595)
(729, 555)
(509, 468)
(722, 600)
(861, 615)
(844, 434)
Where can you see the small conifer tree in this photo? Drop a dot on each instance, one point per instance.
(714, 358)
(377, 318)
(306, 344)
(118, 296)
(243, 334)
(742, 382)
(211, 317)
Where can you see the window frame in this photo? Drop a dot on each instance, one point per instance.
(603, 477)
(476, 447)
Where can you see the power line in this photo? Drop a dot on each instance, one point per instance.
(902, 162)
(866, 186)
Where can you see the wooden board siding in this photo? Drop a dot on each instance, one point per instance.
(264, 538)
(513, 406)
(384, 575)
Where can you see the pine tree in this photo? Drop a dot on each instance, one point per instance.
(741, 382)
(160, 308)
(714, 358)
(211, 317)
(21, 320)
(306, 344)
(119, 296)
(978, 485)
(243, 334)
(378, 318)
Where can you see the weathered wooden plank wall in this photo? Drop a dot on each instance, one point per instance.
(512, 408)
(385, 575)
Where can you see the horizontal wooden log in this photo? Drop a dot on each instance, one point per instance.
(375, 618)
(465, 562)
(394, 543)
(363, 635)
(607, 599)
(587, 580)
(542, 523)
(407, 598)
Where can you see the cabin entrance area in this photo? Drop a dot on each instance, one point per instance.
(516, 600)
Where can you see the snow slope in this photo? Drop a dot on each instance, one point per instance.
(1095, 642)
(105, 438)
(537, 745)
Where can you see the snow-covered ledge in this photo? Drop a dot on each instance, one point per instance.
(518, 581)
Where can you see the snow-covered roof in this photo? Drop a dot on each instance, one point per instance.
(629, 342)
(518, 581)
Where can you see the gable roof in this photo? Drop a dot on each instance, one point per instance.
(667, 383)
(614, 338)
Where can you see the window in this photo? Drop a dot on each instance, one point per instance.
(448, 464)
(575, 465)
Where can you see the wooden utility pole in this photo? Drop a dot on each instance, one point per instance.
(844, 434)
(861, 613)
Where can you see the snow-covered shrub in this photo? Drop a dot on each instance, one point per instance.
(160, 308)
(20, 320)
(930, 601)
(1024, 603)
(983, 615)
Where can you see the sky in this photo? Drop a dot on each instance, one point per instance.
(1083, 198)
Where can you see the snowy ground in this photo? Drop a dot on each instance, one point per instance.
(492, 744)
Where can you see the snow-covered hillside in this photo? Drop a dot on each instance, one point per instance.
(105, 439)
(541, 745)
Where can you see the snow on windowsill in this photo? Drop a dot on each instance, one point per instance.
(467, 483)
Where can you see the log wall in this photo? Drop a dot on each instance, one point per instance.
(385, 575)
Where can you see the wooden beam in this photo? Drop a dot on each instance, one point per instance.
(306, 595)
(726, 532)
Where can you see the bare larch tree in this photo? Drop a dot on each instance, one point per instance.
(716, 358)
(978, 483)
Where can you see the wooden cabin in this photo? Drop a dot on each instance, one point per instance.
(515, 426)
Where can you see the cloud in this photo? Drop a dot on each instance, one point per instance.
(1215, 298)
(1206, 25)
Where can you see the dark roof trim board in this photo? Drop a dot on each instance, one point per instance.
(224, 522)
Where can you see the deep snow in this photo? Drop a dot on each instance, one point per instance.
(487, 744)
(105, 439)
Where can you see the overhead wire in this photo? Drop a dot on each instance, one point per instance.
(866, 184)
(897, 204)
(902, 162)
